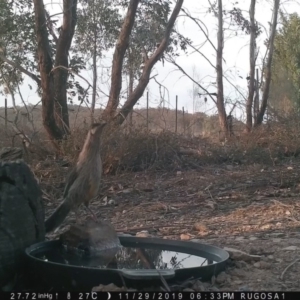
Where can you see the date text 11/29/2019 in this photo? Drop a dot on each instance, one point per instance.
(206, 296)
(152, 296)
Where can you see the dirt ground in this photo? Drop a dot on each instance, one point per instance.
(254, 209)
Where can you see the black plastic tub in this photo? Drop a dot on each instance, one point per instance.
(62, 277)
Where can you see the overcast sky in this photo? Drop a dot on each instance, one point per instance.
(236, 55)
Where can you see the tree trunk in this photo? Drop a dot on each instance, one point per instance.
(256, 98)
(117, 65)
(130, 85)
(95, 78)
(249, 103)
(45, 67)
(95, 71)
(219, 68)
(61, 59)
(266, 91)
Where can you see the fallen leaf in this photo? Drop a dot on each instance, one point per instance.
(199, 226)
(185, 237)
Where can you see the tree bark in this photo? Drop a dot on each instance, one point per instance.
(61, 59)
(144, 79)
(256, 98)
(118, 58)
(95, 77)
(130, 85)
(95, 72)
(249, 103)
(219, 68)
(45, 67)
(266, 91)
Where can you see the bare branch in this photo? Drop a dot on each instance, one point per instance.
(71, 71)
(20, 68)
(192, 79)
(197, 22)
(196, 50)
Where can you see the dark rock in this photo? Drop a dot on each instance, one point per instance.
(21, 216)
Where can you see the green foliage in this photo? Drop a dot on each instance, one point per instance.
(150, 24)
(98, 26)
(17, 41)
(148, 31)
(286, 62)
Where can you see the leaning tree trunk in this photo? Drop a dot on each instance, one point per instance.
(60, 75)
(268, 68)
(21, 217)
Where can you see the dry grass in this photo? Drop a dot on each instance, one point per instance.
(139, 150)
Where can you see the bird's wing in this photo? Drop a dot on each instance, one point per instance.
(70, 180)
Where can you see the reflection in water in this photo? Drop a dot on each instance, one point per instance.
(127, 258)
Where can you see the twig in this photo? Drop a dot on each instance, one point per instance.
(291, 264)
(163, 280)
(172, 61)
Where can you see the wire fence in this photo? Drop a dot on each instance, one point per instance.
(150, 116)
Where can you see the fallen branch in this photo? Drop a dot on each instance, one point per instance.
(291, 264)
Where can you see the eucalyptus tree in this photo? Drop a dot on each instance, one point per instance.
(17, 45)
(32, 46)
(150, 58)
(98, 25)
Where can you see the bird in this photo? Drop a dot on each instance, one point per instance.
(83, 182)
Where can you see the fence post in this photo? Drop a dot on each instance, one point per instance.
(147, 111)
(176, 114)
(256, 99)
(183, 119)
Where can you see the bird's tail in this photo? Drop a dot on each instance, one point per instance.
(56, 219)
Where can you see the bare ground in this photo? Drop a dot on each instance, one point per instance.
(254, 209)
